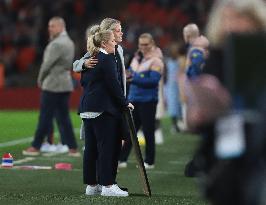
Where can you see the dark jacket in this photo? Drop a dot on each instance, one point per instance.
(102, 91)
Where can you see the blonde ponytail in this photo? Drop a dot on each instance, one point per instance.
(95, 40)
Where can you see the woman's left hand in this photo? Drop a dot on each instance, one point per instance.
(130, 106)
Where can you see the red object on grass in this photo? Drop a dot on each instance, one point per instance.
(7, 160)
(63, 166)
(7, 155)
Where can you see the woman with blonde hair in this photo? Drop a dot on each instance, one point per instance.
(89, 62)
(146, 67)
(101, 105)
(234, 182)
(235, 16)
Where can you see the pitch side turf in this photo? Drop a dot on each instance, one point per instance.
(25, 187)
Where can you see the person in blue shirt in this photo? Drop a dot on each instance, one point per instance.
(197, 56)
(146, 70)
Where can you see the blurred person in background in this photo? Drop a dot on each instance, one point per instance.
(180, 78)
(49, 146)
(146, 71)
(160, 109)
(233, 180)
(56, 84)
(172, 91)
(190, 33)
(101, 107)
(197, 56)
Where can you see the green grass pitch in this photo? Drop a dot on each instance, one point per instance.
(25, 187)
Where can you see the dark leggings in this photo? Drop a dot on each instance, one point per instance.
(144, 117)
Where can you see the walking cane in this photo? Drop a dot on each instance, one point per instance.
(134, 140)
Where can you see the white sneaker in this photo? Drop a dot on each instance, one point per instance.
(182, 125)
(93, 190)
(113, 190)
(46, 147)
(148, 166)
(122, 164)
(158, 136)
(62, 148)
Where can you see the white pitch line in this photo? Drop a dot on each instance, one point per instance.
(16, 142)
(178, 162)
(32, 167)
(51, 154)
(26, 159)
(160, 172)
(152, 172)
(25, 140)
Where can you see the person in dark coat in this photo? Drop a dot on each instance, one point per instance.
(101, 107)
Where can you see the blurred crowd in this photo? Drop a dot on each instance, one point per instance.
(23, 35)
(23, 27)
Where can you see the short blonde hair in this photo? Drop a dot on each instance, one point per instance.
(190, 32)
(254, 9)
(109, 24)
(95, 40)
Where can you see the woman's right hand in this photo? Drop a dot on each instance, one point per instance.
(91, 62)
(130, 106)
